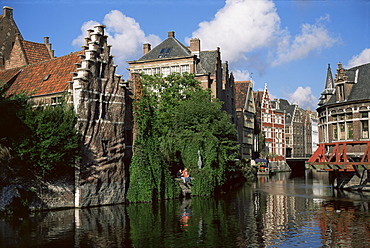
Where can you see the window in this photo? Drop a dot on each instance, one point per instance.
(185, 68)
(349, 130)
(342, 131)
(104, 144)
(341, 92)
(175, 69)
(335, 132)
(365, 129)
(165, 71)
(364, 114)
(156, 70)
(164, 52)
(148, 71)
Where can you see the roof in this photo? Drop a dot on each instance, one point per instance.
(360, 77)
(207, 63)
(241, 92)
(169, 48)
(35, 52)
(42, 78)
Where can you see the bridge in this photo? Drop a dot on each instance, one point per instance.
(347, 163)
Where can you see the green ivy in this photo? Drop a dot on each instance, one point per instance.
(175, 119)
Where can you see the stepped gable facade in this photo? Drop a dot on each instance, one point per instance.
(89, 81)
(271, 123)
(172, 56)
(245, 115)
(344, 106)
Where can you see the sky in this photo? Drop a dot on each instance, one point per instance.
(284, 45)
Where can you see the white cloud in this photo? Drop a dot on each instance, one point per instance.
(80, 41)
(243, 28)
(312, 38)
(303, 97)
(360, 59)
(125, 36)
(239, 75)
(239, 27)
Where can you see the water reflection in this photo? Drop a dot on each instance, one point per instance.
(278, 211)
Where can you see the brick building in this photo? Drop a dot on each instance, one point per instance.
(300, 129)
(88, 78)
(245, 115)
(344, 115)
(271, 124)
(172, 56)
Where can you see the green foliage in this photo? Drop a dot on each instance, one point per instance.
(42, 139)
(53, 141)
(176, 118)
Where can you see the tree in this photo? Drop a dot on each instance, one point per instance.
(176, 118)
(40, 139)
(53, 141)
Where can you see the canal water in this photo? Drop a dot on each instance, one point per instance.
(279, 211)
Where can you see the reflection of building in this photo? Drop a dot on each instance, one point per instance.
(245, 114)
(171, 56)
(87, 78)
(272, 125)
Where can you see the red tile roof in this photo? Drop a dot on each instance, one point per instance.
(35, 52)
(241, 90)
(43, 78)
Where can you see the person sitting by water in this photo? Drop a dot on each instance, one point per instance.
(179, 174)
(185, 176)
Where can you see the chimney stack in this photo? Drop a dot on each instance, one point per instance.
(171, 34)
(48, 45)
(8, 11)
(147, 48)
(195, 45)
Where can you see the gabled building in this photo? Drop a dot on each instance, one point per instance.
(89, 81)
(271, 124)
(343, 114)
(172, 56)
(245, 115)
(298, 129)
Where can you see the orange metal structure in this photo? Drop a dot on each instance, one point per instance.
(334, 156)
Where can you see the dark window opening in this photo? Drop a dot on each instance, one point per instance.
(164, 52)
(104, 144)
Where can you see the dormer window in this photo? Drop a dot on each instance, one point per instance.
(341, 96)
(164, 52)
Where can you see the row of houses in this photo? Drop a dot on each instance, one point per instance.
(275, 129)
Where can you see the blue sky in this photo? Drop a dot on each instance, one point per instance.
(285, 44)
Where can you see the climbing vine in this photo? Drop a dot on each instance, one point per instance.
(176, 120)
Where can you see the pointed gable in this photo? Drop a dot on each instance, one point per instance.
(46, 77)
(241, 91)
(35, 52)
(169, 48)
(8, 33)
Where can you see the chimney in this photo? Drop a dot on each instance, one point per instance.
(147, 48)
(48, 45)
(195, 45)
(8, 11)
(171, 34)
